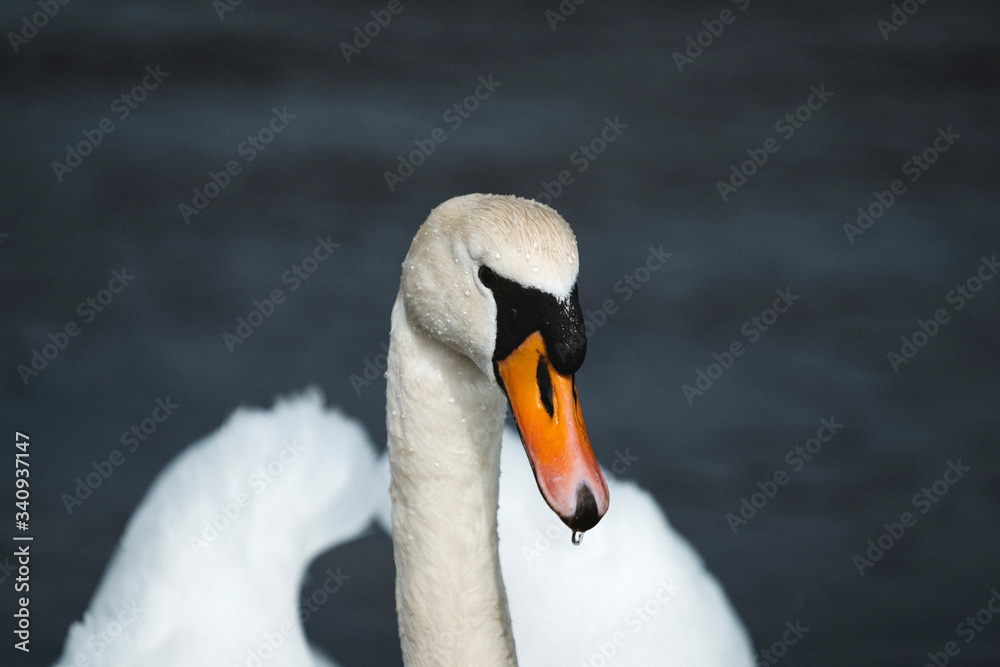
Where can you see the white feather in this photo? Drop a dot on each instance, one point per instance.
(209, 567)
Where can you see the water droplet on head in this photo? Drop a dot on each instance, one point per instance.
(468, 292)
(577, 537)
(497, 255)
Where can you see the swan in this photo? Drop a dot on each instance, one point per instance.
(487, 316)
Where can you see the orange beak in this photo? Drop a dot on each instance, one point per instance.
(547, 412)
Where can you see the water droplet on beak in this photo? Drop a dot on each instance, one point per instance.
(577, 537)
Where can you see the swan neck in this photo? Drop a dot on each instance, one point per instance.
(444, 420)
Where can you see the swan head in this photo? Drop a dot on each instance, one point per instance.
(494, 278)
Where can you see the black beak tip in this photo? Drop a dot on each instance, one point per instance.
(587, 515)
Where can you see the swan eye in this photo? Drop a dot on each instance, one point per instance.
(488, 277)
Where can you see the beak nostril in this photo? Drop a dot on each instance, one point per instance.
(545, 384)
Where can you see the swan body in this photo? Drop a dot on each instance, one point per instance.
(486, 316)
(634, 592)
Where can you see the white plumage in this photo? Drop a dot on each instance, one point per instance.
(634, 587)
(634, 592)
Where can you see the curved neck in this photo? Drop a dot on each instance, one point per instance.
(444, 420)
